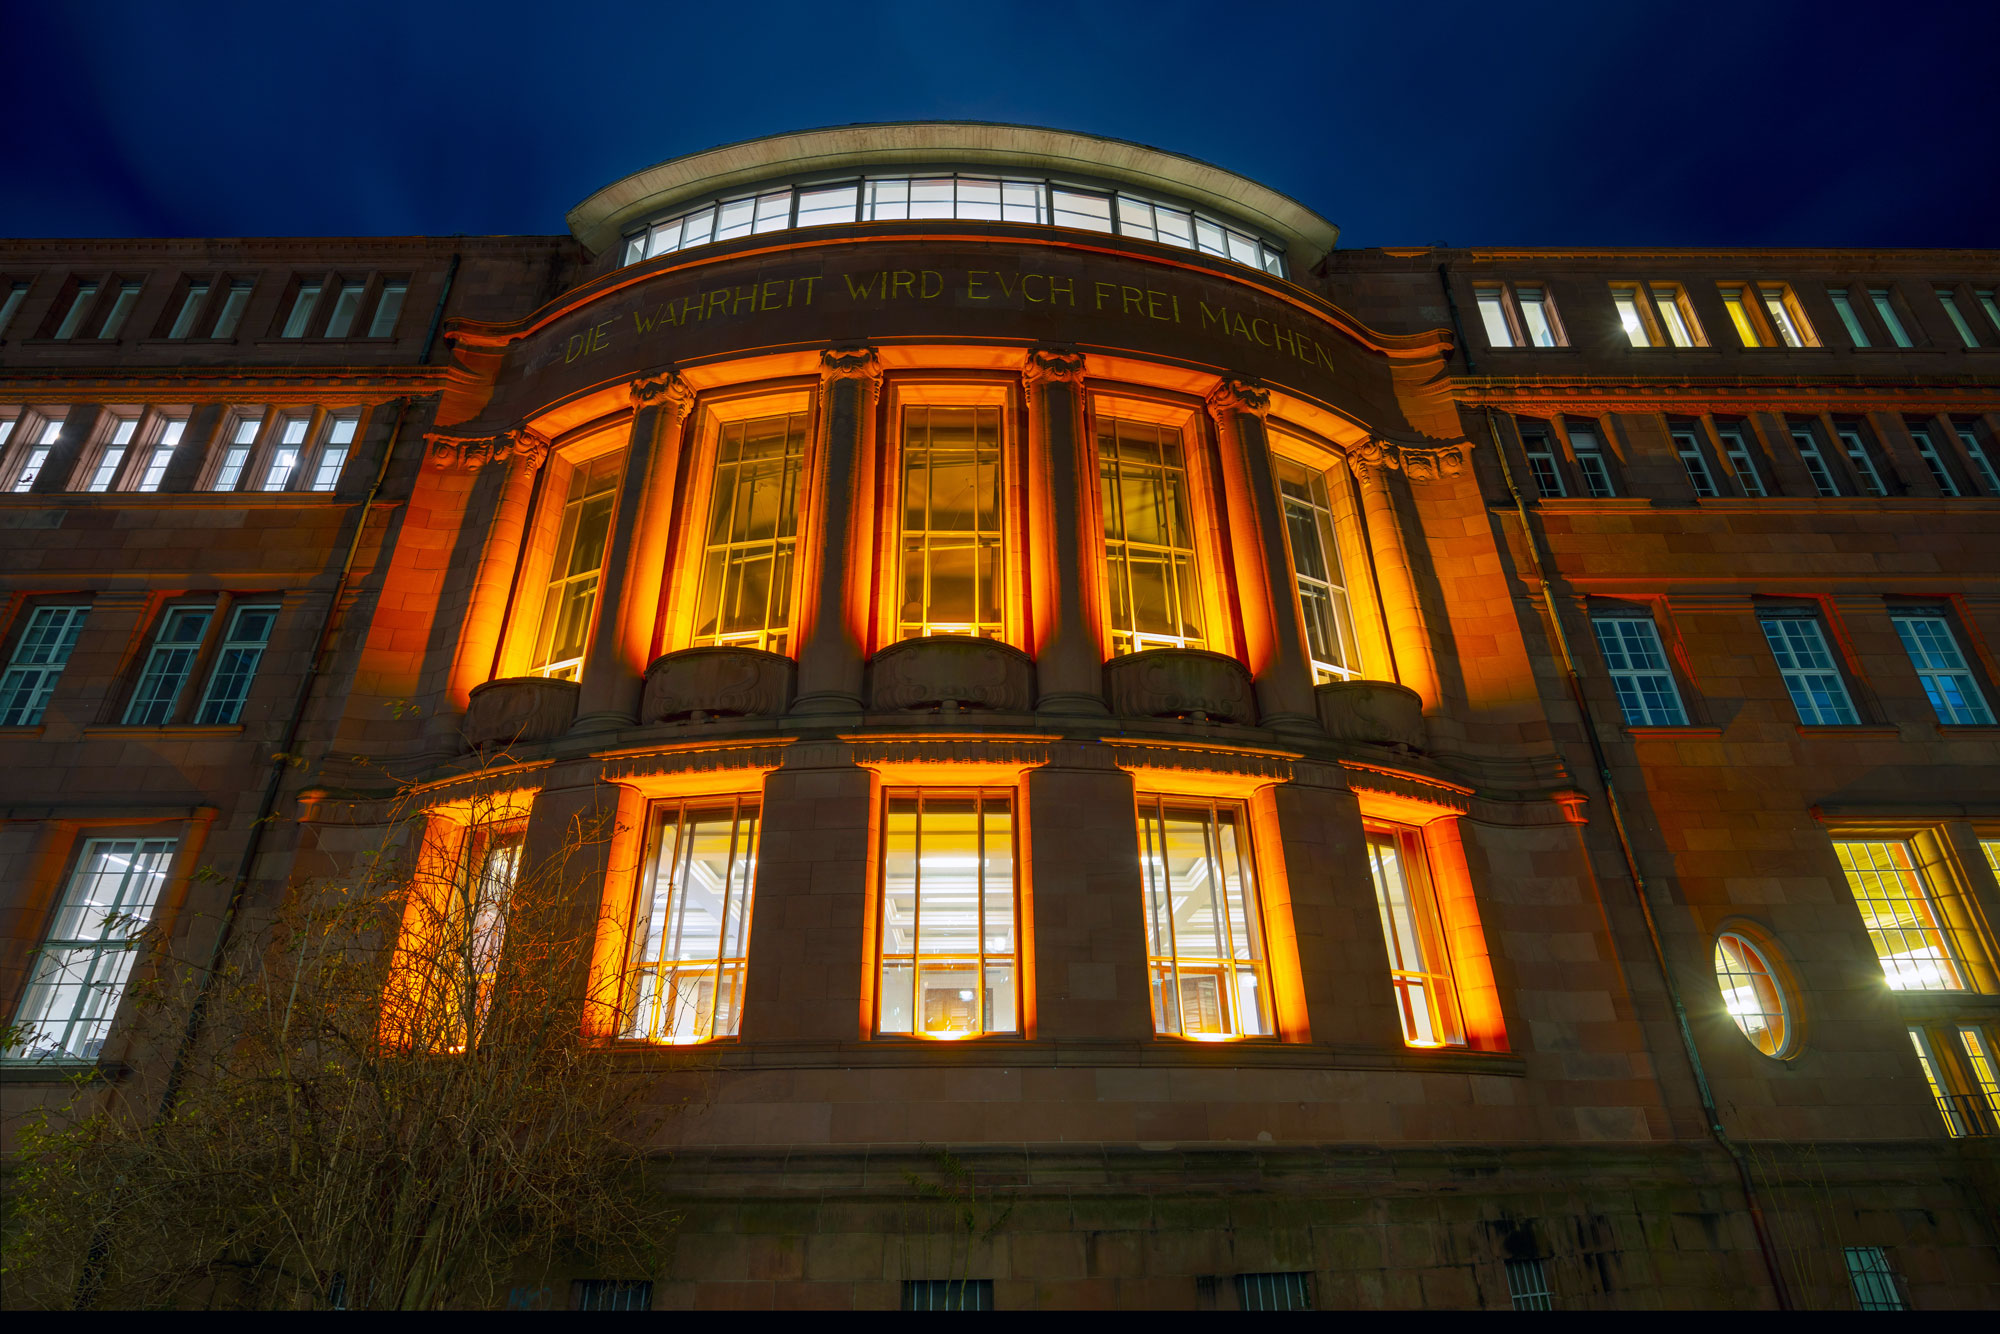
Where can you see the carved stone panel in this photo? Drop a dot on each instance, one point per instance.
(729, 681)
(973, 673)
(1381, 713)
(1180, 683)
(519, 710)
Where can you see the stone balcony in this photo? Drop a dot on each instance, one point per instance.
(951, 672)
(697, 683)
(1180, 683)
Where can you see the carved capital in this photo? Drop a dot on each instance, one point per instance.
(1052, 363)
(1238, 396)
(667, 389)
(449, 451)
(1428, 465)
(850, 363)
(1372, 456)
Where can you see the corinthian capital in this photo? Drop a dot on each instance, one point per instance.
(471, 452)
(850, 363)
(1372, 456)
(1239, 396)
(1052, 363)
(667, 388)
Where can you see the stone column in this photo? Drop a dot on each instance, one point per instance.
(1069, 656)
(1372, 464)
(185, 468)
(833, 554)
(628, 589)
(76, 431)
(521, 453)
(1273, 637)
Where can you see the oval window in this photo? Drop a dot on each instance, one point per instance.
(1751, 993)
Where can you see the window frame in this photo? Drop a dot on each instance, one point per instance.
(1742, 459)
(639, 1016)
(217, 659)
(1765, 965)
(547, 549)
(1950, 297)
(1686, 438)
(1228, 968)
(1443, 1009)
(1812, 450)
(1978, 453)
(1894, 315)
(1923, 439)
(1600, 481)
(1972, 691)
(1335, 524)
(1949, 924)
(1611, 613)
(1867, 463)
(36, 436)
(1505, 300)
(1811, 677)
(42, 678)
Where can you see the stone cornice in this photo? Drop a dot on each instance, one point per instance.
(1796, 393)
(223, 382)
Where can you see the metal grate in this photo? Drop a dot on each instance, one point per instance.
(611, 1294)
(1528, 1286)
(947, 1294)
(1874, 1282)
(1274, 1292)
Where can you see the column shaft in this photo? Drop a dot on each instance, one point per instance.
(1400, 607)
(834, 564)
(1069, 657)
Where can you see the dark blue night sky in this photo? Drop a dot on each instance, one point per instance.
(1612, 123)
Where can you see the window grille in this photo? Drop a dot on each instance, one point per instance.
(285, 457)
(1980, 463)
(39, 657)
(1900, 915)
(80, 972)
(1322, 588)
(1927, 450)
(692, 931)
(1204, 930)
(1151, 572)
(947, 1294)
(949, 915)
(1419, 970)
(746, 572)
(333, 453)
(1953, 692)
(953, 546)
(1817, 691)
(167, 666)
(162, 454)
(1977, 1047)
(1967, 1099)
(1589, 451)
(1639, 671)
(1864, 462)
(237, 456)
(113, 455)
(1738, 449)
(611, 1294)
(1875, 1286)
(1541, 452)
(1274, 1292)
(1528, 1286)
(236, 665)
(571, 596)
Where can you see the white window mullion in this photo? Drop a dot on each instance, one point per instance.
(1809, 671)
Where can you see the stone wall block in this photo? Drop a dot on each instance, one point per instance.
(1180, 683)
(741, 682)
(951, 669)
(1380, 713)
(517, 710)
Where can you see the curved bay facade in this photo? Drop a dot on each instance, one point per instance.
(1354, 777)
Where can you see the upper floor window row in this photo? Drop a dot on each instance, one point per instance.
(971, 198)
(141, 449)
(212, 307)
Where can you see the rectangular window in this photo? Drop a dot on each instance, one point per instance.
(1625, 299)
(691, 935)
(1885, 308)
(1927, 450)
(10, 301)
(947, 1294)
(753, 525)
(1960, 1118)
(1874, 1282)
(1933, 651)
(1844, 307)
(115, 449)
(1900, 914)
(1590, 463)
(162, 453)
(1316, 573)
(1274, 1292)
(237, 455)
(333, 453)
(1687, 443)
(827, 204)
(950, 919)
(1976, 456)
(302, 311)
(346, 309)
(1985, 298)
(1521, 316)
(1676, 315)
(1419, 968)
(285, 456)
(231, 314)
(571, 597)
(475, 929)
(1949, 300)
(1204, 928)
(126, 297)
(1786, 317)
(79, 974)
(39, 656)
(1745, 324)
(236, 666)
(1807, 441)
(190, 311)
(1528, 1285)
(952, 548)
(1861, 457)
(79, 306)
(388, 309)
(167, 666)
(1976, 1045)
(1538, 316)
(1810, 674)
(1074, 208)
(1540, 448)
(1639, 671)
(37, 454)
(1493, 316)
(1151, 574)
(1736, 446)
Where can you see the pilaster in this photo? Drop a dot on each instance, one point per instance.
(1069, 655)
(1373, 462)
(835, 559)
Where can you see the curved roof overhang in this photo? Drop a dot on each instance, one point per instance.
(598, 220)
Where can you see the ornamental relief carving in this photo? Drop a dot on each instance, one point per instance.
(1379, 713)
(1419, 463)
(947, 671)
(696, 683)
(1238, 396)
(850, 363)
(667, 386)
(1052, 363)
(470, 453)
(1180, 683)
(519, 710)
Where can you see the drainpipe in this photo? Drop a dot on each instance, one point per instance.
(437, 315)
(1457, 329)
(1622, 832)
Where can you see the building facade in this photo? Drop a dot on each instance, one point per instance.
(1354, 777)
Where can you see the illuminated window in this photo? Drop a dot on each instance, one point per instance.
(1811, 676)
(1150, 570)
(1736, 446)
(236, 455)
(162, 453)
(1862, 457)
(1625, 300)
(333, 453)
(236, 665)
(1687, 443)
(388, 308)
(36, 454)
(1677, 316)
(112, 454)
(1927, 450)
(1874, 1281)
(1540, 449)
(303, 303)
(285, 455)
(475, 928)
(1843, 306)
(950, 919)
(953, 548)
(1656, 315)
(1786, 317)
(1949, 683)
(1588, 450)
(233, 306)
(1738, 306)
(1949, 300)
(346, 309)
(1751, 993)
(1204, 933)
(1639, 671)
(753, 525)
(578, 565)
(1316, 572)
(84, 296)
(1885, 307)
(691, 934)
(167, 666)
(121, 310)
(39, 657)
(10, 301)
(1518, 315)
(1806, 439)
(1975, 453)
(79, 973)
(1901, 915)
(1419, 968)
(1976, 1045)
(1957, 1061)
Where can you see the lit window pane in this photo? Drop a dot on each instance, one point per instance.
(1844, 308)
(1810, 675)
(1074, 208)
(947, 937)
(1639, 671)
(571, 596)
(746, 579)
(1626, 301)
(1425, 999)
(1901, 920)
(1535, 317)
(692, 930)
(1751, 994)
(820, 205)
(953, 540)
(1493, 316)
(1204, 930)
(1155, 598)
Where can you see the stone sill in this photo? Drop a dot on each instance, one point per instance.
(1867, 731)
(59, 1072)
(135, 730)
(23, 733)
(1682, 732)
(1968, 731)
